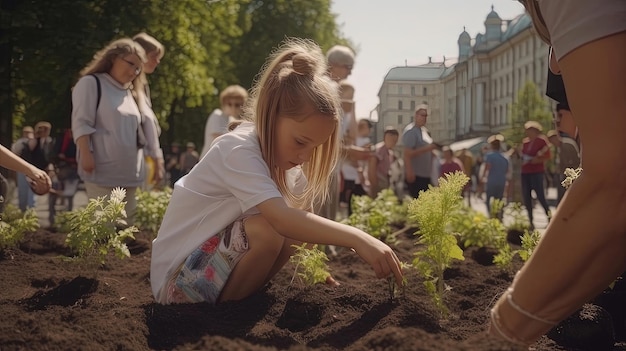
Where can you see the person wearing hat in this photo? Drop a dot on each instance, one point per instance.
(535, 152)
(497, 172)
(42, 146)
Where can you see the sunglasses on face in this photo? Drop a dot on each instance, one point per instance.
(133, 65)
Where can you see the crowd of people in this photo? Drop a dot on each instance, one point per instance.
(290, 151)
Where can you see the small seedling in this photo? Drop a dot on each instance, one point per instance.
(14, 223)
(310, 264)
(391, 282)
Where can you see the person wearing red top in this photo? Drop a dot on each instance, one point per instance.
(450, 164)
(535, 152)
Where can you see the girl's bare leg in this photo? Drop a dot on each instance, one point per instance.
(256, 266)
(584, 247)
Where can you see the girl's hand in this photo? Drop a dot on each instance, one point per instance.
(87, 162)
(330, 281)
(39, 181)
(381, 257)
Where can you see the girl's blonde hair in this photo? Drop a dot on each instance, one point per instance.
(103, 61)
(291, 84)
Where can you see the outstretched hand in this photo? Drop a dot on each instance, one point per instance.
(381, 257)
(39, 181)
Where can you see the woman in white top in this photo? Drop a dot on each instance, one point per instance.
(231, 222)
(232, 100)
(106, 122)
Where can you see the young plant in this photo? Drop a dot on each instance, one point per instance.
(530, 239)
(473, 228)
(392, 288)
(311, 267)
(496, 207)
(93, 230)
(376, 216)
(518, 220)
(151, 206)
(14, 223)
(433, 211)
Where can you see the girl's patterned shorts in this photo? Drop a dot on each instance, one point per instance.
(204, 273)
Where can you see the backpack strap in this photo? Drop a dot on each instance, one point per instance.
(99, 90)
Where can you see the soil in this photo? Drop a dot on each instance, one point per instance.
(47, 303)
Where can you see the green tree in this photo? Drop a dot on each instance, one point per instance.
(268, 22)
(197, 36)
(209, 45)
(528, 105)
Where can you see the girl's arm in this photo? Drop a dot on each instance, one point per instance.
(39, 180)
(308, 227)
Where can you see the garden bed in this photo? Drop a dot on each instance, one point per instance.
(49, 304)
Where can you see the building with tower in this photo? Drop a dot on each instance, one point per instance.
(470, 96)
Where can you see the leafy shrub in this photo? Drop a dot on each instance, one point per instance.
(433, 211)
(530, 239)
(377, 216)
(518, 219)
(93, 231)
(14, 224)
(310, 264)
(151, 206)
(473, 228)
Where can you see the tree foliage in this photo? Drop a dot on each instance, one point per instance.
(268, 22)
(528, 105)
(209, 45)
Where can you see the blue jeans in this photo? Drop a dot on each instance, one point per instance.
(26, 197)
(530, 182)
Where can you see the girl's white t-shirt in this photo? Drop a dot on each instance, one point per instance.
(229, 181)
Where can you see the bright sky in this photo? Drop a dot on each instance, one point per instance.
(393, 33)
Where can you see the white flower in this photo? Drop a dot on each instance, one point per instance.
(118, 194)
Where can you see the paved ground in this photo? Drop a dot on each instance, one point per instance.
(80, 199)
